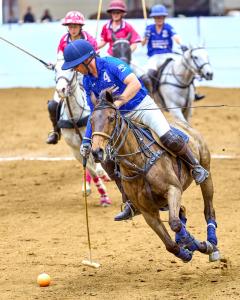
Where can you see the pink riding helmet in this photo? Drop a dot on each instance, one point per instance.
(117, 5)
(73, 17)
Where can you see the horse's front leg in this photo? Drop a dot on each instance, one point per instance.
(183, 237)
(209, 212)
(153, 220)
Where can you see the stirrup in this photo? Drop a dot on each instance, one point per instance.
(128, 212)
(199, 174)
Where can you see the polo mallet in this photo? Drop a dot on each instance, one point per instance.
(88, 262)
(98, 16)
(144, 11)
(21, 49)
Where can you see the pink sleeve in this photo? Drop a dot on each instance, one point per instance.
(62, 44)
(104, 33)
(92, 40)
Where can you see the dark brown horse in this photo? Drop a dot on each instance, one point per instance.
(121, 48)
(152, 178)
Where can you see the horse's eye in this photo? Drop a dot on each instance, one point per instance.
(111, 119)
(195, 57)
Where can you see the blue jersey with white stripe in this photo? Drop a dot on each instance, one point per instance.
(159, 43)
(111, 74)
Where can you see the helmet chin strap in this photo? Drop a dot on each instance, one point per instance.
(86, 65)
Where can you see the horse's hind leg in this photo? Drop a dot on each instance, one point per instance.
(209, 212)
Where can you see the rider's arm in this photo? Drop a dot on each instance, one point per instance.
(101, 44)
(144, 41)
(177, 39)
(91, 103)
(133, 85)
(146, 37)
(133, 47)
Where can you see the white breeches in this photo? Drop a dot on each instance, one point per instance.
(154, 62)
(153, 118)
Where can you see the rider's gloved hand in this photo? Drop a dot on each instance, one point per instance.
(50, 66)
(183, 48)
(85, 148)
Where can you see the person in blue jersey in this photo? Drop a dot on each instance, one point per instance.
(111, 73)
(159, 38)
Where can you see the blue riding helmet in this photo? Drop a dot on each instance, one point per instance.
(76, 52)
(158, 11)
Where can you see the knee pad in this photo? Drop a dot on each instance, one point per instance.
(52, 106)
(174, 142)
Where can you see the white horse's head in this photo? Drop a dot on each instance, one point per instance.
(66, 81)
(196, 59)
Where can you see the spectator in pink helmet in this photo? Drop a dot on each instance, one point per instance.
(117, 25)
(74, 21)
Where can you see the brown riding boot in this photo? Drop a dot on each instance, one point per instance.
(54, 136)
(176, 145)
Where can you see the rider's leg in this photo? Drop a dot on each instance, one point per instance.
(197, 96)
(155, 120)
(129, 210)
(178, 146)
(54, 135)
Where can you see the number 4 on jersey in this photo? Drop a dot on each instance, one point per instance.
(106, 77)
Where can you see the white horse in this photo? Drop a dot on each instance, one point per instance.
(174, 82)
(69, 89)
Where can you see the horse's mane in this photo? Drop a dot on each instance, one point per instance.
(106, 99)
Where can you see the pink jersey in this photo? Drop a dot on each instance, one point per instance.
(66, 39)
(122, 32)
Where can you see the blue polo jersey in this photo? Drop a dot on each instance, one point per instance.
(159, 43)
(111, 74)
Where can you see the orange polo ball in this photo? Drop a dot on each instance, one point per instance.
(43, 280)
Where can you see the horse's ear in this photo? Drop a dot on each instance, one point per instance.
(109, 96)
(114, 37)
(129, 36)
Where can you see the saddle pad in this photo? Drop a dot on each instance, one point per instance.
(148, 134)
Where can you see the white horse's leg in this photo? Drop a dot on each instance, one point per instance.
(88, 184)
(73, 141)
(102, 173)
(174, 101)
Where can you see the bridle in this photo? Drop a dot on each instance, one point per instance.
(198, 67)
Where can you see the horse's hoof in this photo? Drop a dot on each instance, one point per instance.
(214, 256)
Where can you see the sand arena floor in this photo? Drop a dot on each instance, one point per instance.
(42, 216)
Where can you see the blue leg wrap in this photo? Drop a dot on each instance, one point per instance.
(177, 235)
(186, 240)
(211, 231)
(184, 254)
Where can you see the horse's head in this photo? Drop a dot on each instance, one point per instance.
(66, 81)
(197, 60)
(104, 121)
(121, 48)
